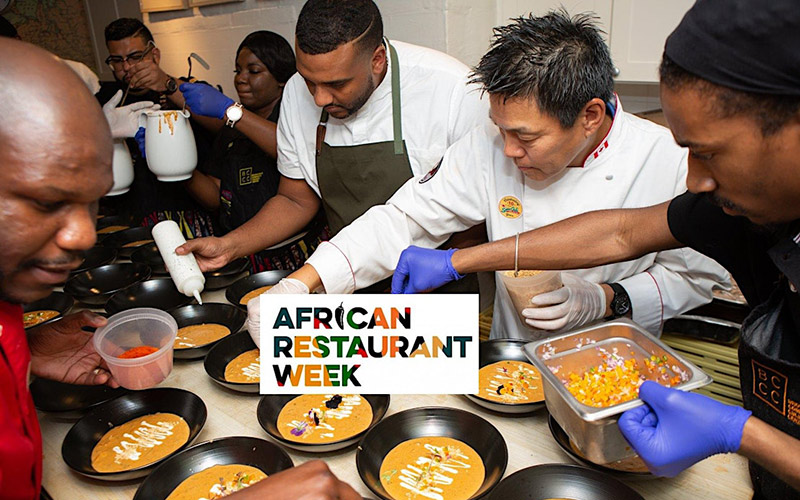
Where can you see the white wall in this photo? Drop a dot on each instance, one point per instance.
(461, 28)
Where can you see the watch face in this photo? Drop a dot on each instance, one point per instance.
(234, 113)
(621, 305)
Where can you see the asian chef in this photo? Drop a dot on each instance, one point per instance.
(560, 145)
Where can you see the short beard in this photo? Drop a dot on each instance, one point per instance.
(359, 102)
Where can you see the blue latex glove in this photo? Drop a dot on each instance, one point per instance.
(205, 100)
(423, 269)
(677, 429)
(140, 140)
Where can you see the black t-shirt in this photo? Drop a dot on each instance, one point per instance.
(248, 175)
(735, 242)
(149, 200)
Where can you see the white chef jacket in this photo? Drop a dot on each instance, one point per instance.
(437, 108)
(637, 164)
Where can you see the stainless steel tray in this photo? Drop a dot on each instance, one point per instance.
(595, 430)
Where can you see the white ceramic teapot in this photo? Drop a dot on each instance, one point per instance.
(169, 144)
(122, 167)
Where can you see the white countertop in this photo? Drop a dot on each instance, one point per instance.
(230, 413)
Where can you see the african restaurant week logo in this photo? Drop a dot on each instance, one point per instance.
(369, 344)
(510, 207)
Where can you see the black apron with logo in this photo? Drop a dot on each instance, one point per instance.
(353, 179)
(769, 364)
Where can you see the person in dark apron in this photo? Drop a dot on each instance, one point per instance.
(343, 63)
(352, 179)
(239, 176)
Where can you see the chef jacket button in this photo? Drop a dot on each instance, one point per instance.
(609, 177)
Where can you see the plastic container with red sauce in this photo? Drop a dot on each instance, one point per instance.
(143, 326)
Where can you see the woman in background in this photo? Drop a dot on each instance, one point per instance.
(240, 174)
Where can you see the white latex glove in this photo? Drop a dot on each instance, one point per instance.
(578, 302)
(124, 121)
(286, 285)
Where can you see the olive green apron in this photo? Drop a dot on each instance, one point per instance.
(353, 179)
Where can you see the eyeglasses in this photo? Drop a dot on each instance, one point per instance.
(134, 58)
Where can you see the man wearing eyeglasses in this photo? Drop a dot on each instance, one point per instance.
(134, 59)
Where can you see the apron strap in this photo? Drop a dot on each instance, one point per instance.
(397, 118)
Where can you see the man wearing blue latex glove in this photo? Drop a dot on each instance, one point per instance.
(730, 91)
(437, 262)
(676, 429)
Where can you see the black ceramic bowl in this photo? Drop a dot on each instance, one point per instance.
(226, 275)
(467, 427)
(492, 351)
(84, 435)
(150, 256)
(255, 452)
(195, 314)
(127, 237)
(235, 292)
(223, 353)
(56, 301)
(96, 286)
(112, 220)
(270, 407)
(70, 400)
(158, 293)
(563, 442)
(730, 310)
(715, 330)
(96, 257)
(548, 481)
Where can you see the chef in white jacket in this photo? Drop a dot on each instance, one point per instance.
(362, 116)
(559, 147)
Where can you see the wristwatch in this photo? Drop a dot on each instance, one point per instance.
(172, 86)
(233, 114)
(621, 302)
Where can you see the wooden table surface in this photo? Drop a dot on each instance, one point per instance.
(231, 413)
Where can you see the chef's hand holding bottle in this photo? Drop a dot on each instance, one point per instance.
(422, 269)
(676, 429)
(286, 285)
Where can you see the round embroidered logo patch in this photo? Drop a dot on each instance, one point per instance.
(510, 207)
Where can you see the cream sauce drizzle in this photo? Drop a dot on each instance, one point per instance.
(410, 476)
(146, 436)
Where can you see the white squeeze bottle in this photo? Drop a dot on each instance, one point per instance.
(185, 272)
